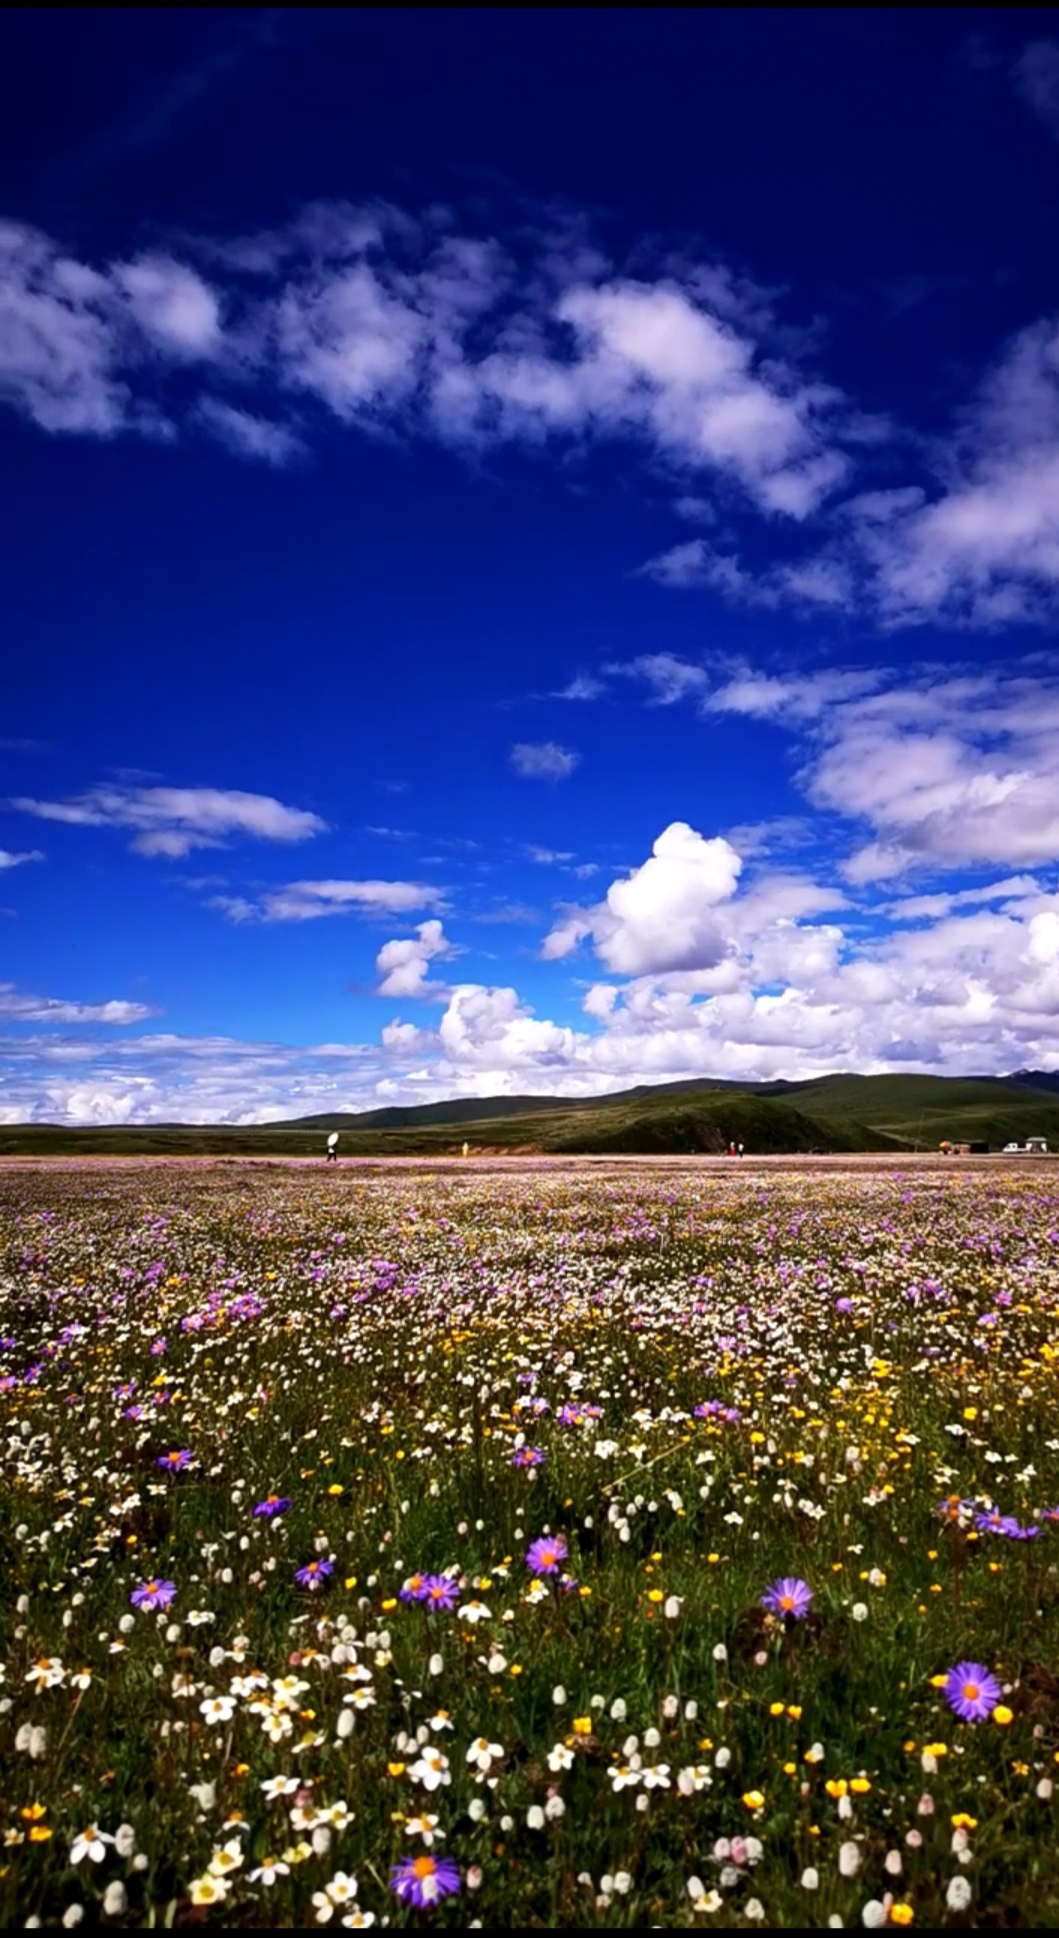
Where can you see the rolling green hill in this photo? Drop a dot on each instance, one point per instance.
(844, 1112)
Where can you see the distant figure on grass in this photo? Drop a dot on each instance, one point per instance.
(466, 1150)
(332, 1148)
(741, 1150)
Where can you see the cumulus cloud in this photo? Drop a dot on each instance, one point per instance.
(663, 916)
(173, 820)
(404, 964)
(543, 760)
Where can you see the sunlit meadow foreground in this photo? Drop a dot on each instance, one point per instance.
(592, 1551)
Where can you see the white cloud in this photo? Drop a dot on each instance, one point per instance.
(20, 1008)
(389, 321)
(307, 901)
(547, 857)
(663, 916)
(10, 859)
(543, 760)
(173, 820)
(667, 678)
(59, 350)
(346, 339)
(400, 326)
(248, 436)
(172, 305)
(582, 687)
(404, 964)
(653, 360)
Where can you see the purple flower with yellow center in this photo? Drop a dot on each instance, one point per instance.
(788, 1597)
(424, 1880)
(569, 1416)
(153, 1594)
(175, 1462)
(272, 1504)
(314, 1572)
(1048, 1513)
(971, 1691)
(414, 1588)
(544, 1555)
(527, 1457)
(995, 1523)
(439, 1592)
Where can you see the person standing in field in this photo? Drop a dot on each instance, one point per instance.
(332, 1148)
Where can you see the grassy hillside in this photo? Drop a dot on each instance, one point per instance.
(835, 1113)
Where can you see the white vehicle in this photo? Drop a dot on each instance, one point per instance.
(1011, 1150)
(1036, 1147)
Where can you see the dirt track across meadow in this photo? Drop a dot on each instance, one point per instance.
(497, 1164)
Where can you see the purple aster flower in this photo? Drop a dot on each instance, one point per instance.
(544, 1555)
(569, 1416)
(424, 1880)
(414, 1588)
(314, 1572)
(788, 1597)
(971, 1691)
(272, 1504)
(153, 1594)
(995, 1523)
(843, 1305)
(132, 1412)
(1048, 1513)
(527, 1457)
(159, 1346)
(440, 1593)
(175, 1462)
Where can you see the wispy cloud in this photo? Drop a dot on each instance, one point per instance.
(390, 322)
(9, 859)
(15, 1006)
(1035, 73)
(310, 901)
(379, 318)
(173, 820)
(543, 760)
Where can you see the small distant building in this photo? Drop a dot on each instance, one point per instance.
(1036, 1147)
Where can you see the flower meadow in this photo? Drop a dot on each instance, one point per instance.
(609, 1548)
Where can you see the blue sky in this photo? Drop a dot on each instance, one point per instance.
(530, 553)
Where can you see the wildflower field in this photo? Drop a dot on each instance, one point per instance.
(612, 1549)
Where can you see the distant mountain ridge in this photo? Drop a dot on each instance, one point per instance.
(839, 1112)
